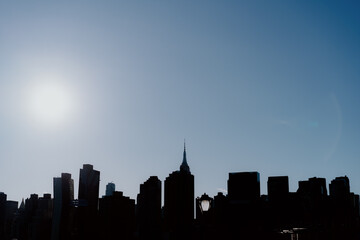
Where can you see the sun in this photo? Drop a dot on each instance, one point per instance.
(50, 103)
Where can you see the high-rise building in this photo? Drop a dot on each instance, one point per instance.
(279, 201)
(62, 215)
(340, 188)
(278, 188)
(31, 205)
(10, 216)
(314, 187)
(89, 200)
(40, 228)
(179, 200)
(19, 225)
(356, 204)
(244, 186)
(344, 205)
(2, 214)
(149, 209)
(243, 212)
(117, 217)
(313, 204)
(110, 189)
(25, 216)
(89, 186)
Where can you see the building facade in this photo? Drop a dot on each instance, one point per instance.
(149, 209)
(63, 213)
(87, 211)
(110, 189)
(179, 201)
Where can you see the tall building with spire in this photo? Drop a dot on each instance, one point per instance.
(184, 165)
(179, 201)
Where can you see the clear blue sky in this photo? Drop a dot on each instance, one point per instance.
(267, 86)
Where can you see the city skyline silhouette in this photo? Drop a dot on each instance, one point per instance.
(184, 165)
(259, 87)
(312, 212)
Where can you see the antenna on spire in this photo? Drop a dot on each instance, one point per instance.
(184, 165)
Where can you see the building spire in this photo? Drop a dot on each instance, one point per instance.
(184, 165)
(22, 205)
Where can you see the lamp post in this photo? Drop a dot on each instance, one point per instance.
(204, 205)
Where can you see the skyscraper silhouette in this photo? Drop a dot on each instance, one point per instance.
(340, 188)
(179, 201)
(117, 217)
(110, 189)
(243, 211)
(10, 215)
(278, 196)
(89, 186)
(244, 186)
(278, 188)
(345, 205)
(314, 187)
(40, 227)
(62, 215)
(89, 200)
(2, 213)
(149, 209)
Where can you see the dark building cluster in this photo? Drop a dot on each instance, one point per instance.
(310, 213)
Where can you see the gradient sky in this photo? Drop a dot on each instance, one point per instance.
(267, 86)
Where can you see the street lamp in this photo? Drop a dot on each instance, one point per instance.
(205, 203)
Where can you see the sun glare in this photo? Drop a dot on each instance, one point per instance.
(50, 103)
